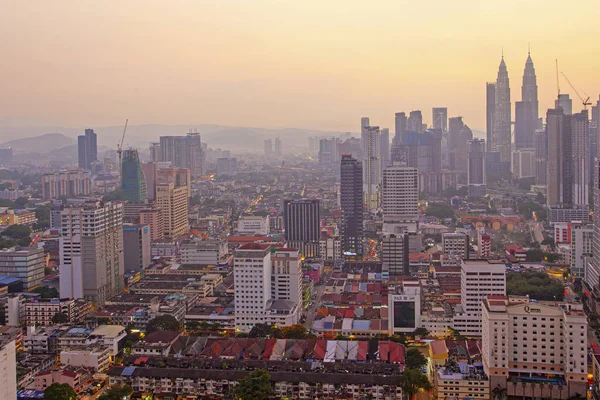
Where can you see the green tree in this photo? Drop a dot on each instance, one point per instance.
(163, 323)
(46, 292)
(439, 210)
(117, 392)
(21, 202)
(421, 332)
(17, 231)
(255, 386)
(295, 331)
(537, 285)
(264, 330)
(415, 359)
(411, 381)
(535, 255)
(60, 318)
(59, 391)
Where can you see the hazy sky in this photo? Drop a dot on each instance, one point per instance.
(282, 63)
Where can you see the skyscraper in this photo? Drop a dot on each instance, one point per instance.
(559, 175)
(541, 150)
(302, 225)
(400, 126)
(502, 115)
(87, 149)
(173, 203)
(154, 152)
(526, 110)
(277, 148)
(351, 199)
(183, 152)
(454, 141)
(439, 118)
(385, 148)
(415, 121)
(564, 102)
(364, 124)
(476, 168)
(400, 198)
(581, 155)
(132, 177)
(490, 109)
(91, 251)
(372, 167)
(592, 267)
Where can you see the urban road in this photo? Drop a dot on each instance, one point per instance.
(316, 299)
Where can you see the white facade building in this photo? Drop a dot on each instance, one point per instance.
(8, 371)
(372, 166)
(582, 243)
(523, 163)
(206, 252)
(400, 199)
(254, 225)
(456, 244)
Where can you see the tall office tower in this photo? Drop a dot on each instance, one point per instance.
(329, 151)
(87, 148)
(154, 152)
(582, 245)
(313, 146)
(456, 244)
(455, 125)
(183, 152)
(66, 183)
(529, 90)
(152, 216)
(372, 168)
(440, 118)
(524, 125)
(559, 172)
(415, 121)
(400, 199)
(394, 253)
(8, 372)
(173, 203)
(24, 263)
(478, 280)
(527, 336)
(351, 199)
(581, 156)
(401, 128)
(132, 177)
(364, 124)
(592, 270)
(490, 110)
(286, 277)
(462, 151)
(596, 121)
(502, 114)
(91, 251)
(524, 164)
(476, 167)
(302, 225)
(424, 152)
(458, 135)
(564, 102)
(268, 148)
(541, 154)
(277, 148)
(386, 156)
(136, 247)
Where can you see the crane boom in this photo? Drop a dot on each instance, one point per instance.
(120, 148)
(585, 102)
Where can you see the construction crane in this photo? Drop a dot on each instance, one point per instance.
(120, 147)
(585, 102)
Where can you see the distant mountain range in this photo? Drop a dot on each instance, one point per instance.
(40, 144)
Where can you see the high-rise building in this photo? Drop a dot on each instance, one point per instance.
(267, 286)
(490, 110)
(183, 152)
(226, 166)
(66, 183)
(401, 128)
(541, 154)
(522, 335)
(386, 157)
(439, 118)
(502, 115)
(415, 121)
(91, 251)
(592, 271)
(328, 151)
(484, 243)
(526, 111)
(478, 280)
(564, 101)
(582, 243)
(277, 149)
(394, 253)
(455, 126)
(173, 203)
(302, 225)
(456, 244)
(364, 124)
(87, 148)
(581, 155)
(524, 163)
(154, 152)
(136, 247)
(24, 263)
(559, 175)
(476, 164)
(8, 371)
(400, 199)
(152, 216)
(372, 167)
(133, 182)
(351, 199)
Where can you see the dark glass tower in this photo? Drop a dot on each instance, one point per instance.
(132, 178)
(352, 205)
(87, 149)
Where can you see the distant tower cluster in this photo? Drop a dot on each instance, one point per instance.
(87, 149)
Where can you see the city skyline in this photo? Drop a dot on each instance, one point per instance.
(248, 76)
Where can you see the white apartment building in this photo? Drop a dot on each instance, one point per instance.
(331, 248)
(535, 349)
(484, 243)
(372, 166)
(91, 251)
(582, 243)
(8, 371)
(478, 280)
(207, 252)
(456, 244)
(400, 199)
(96, 357)
(267, 286)
(254, 225)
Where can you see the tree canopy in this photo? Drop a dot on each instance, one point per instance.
(60, 318)
(411, 381)
(439, 210)
(538, 285)
(163, 323)
(255, 386)
(17, 231)
(117, 392)
(59, 391)
(46, 292)
(415, 359)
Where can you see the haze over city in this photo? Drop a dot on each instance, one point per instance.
(274, 64)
